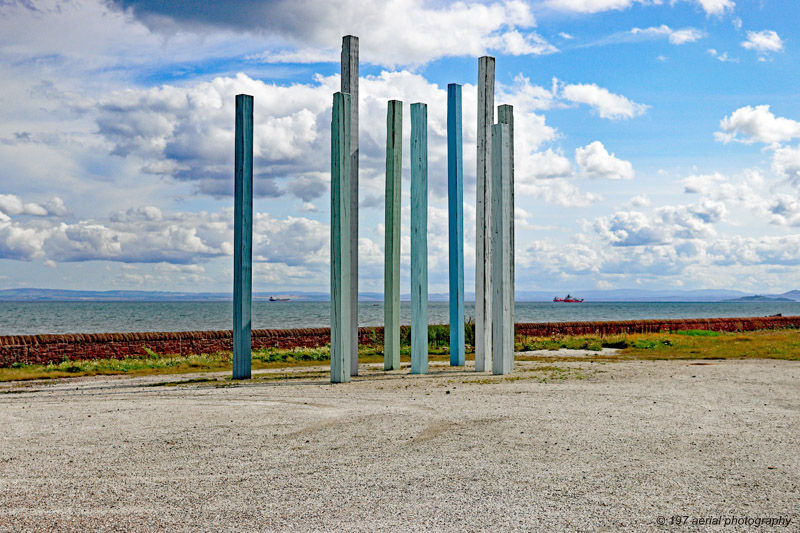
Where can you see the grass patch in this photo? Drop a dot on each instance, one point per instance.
(693, 344)
(699, 333)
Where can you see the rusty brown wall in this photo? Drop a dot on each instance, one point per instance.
(43, 349)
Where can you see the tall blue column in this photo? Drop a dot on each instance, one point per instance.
(419, 238)
(391, 280)
(455, 200)
(340, 239)
(243, 237)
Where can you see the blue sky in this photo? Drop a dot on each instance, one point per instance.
(656, 143)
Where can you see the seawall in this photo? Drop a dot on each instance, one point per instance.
(44, 349)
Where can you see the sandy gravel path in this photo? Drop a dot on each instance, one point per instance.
(609, 447)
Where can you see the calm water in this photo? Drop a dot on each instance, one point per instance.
(28, 318)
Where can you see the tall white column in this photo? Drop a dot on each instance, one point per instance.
(483, 248)
(502, 253)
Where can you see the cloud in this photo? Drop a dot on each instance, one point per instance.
(594, 161)
(756, 124)
(605, 103)
(786, 163)
(148, 235)
(394, 32)
(548, 165)
(717, 7)
(763, 42)
(11, 204)
(686, 35)
(723, 56)
(593, 6)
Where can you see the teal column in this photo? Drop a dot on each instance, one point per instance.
(455, 200)
(502, 318)
(391, 279)
(243, 237)
(349, 85)
(340, 239)
(419, 238)
(483, 208)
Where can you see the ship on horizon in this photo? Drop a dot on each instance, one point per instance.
(273, 299)
(569, 299)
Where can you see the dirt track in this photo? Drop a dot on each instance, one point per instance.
(612, 447)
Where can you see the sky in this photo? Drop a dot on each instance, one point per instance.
(657, 142)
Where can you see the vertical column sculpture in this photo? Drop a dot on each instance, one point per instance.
(349, 85)
(341, 311)
(391, 280)
(455, 200)
(502, 253)
(243, 237)
(483, 248)
(505, 115)
(419, 238)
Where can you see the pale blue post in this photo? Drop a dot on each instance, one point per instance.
(391, 280)
(340, 239)
(419, 238)
(349, 85)
(502, 254)
(243, 236)
(455, 199)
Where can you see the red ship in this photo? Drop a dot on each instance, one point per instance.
(569, 299)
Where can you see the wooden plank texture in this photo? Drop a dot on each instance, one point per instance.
(419, 238)
(340, 239)
(391, 280)
(502, 318)
(349, 85)
(483, 204)
(243, 237)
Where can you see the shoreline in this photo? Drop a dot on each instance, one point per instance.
(45, 349)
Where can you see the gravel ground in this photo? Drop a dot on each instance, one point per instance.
(595, 447)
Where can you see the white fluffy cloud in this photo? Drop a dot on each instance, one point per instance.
(595, 162)
(763, 41)
(604, 102)
(393, 32)
(717, 7)
(786, 162)
(593, 6)
(711, 7)
(11, 204)
(756, 124)
(685, 35)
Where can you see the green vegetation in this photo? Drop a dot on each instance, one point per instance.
(693, 344)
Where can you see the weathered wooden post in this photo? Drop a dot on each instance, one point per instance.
(341, 311)
(505, 115)
(243, 237)
(419, 238)
(502, 253)
(391, 280)
(483, 248)
(455, 200)
(349, 85)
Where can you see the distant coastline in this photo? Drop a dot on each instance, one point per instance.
(613, 295)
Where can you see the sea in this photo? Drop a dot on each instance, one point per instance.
(32, 318)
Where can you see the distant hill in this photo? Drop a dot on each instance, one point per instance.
(615, 295)
(760, 298)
